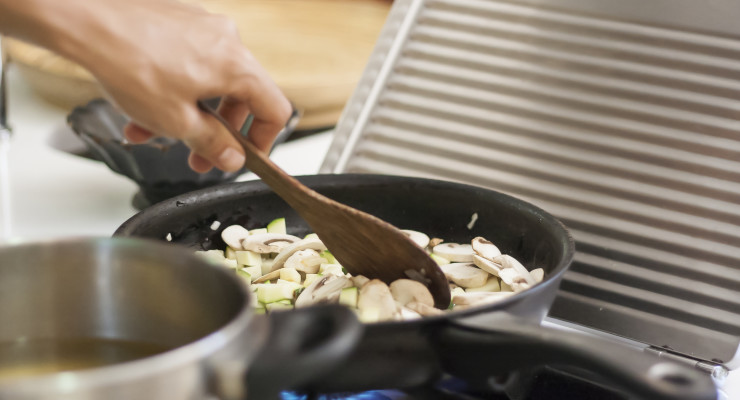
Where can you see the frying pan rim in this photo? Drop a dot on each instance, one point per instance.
(325, 181)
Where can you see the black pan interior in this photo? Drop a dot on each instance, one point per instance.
(437, 208)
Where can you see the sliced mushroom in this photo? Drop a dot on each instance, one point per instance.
(455, 252)
(406, 314)
(424, 309)
(433, 242)
(511, 277)
(376, 297)
(405, 291)
(491, 285)
(465, 274)
(285, 253)
(268, 242)
(307, 261)
(360, 280)
(479, 298)
(487, 265)
(507, 261)
(324, 290)
(234, 235)
(419, 238)
(538, 274)
(268, 277)
(485, 248)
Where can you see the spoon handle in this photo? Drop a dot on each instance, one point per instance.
(257, 161)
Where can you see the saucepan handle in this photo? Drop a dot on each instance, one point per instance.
(511, 345)
(303, 345)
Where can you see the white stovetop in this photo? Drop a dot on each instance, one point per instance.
(55, 194)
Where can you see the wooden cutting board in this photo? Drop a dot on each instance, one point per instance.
(314, 49)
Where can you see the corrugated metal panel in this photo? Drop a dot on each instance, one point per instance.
(627, 131)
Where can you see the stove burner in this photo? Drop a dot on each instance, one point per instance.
(538, 384)
(372, 395)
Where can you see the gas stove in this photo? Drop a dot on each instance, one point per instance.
(541, 384)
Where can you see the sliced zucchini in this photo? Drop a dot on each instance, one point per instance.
(330, 259)
(230, 263)
(278, 306)
(244, 275)
(257, 231)
(249, 258)
(230, 253)
(272, 293)
(311, 236)
(310, 278)
(348, 297)
(439, 260)
(290, 274)
(215, 256)
(293, 285)
(254, 272)
(456, 291)
(277, 226)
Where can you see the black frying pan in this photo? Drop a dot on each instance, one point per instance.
(475, 344)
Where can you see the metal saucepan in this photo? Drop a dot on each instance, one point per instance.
(490, 340)
(136, 319)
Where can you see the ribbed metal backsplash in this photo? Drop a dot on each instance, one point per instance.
(627, 131)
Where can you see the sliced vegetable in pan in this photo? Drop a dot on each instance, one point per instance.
(286, 271)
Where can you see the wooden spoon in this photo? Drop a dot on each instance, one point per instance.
(363, 244)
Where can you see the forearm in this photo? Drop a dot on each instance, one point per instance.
(52, 24)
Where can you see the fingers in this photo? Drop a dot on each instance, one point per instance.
(198, 163)
(213, 145)
(233, 111)
(260, 96)
(136, 134)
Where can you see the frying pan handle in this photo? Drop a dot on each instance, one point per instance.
(512, 345)
(303, 345)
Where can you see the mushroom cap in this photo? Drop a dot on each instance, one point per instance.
(405, 291)
(324, 290)
(507, 261)
(465, 274)
(309, 243)
(487, 265)
(479, 298)
(424, 309)
(360, 280)
(454, 252)
(233, 235)
(307, 261)
(484, 248)
(376, 295)
(421, 239)
(407, 314)
(538, 274)
(268, 242)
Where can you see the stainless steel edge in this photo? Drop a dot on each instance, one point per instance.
(620, 118)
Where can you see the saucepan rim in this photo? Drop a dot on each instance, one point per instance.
(188, 354)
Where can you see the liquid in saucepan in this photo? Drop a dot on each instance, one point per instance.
(31, 357)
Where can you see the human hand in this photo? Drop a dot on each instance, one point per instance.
(156, 58)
